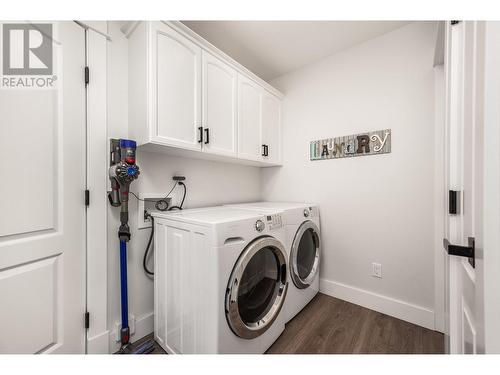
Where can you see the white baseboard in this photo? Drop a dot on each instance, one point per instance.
(98, 344)
(144, 325)
(399, 309)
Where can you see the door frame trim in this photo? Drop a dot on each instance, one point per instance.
(489, 250)
(97, 335)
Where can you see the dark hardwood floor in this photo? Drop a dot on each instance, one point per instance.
(332, 326)
(133, 346)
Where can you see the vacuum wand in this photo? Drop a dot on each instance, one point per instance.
(123, 171)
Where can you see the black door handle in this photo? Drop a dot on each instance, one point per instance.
(462, 251)
(207, 134)
(200, 134)
(263, 150)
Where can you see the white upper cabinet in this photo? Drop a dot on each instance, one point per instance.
(219, 106)
(249, 119)
(177, 108)
(187, 98)
(271, 128)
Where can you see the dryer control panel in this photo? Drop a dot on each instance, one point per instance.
(274, 221)
(310, 212)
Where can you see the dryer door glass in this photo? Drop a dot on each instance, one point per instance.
(256, 288)
(304, 255)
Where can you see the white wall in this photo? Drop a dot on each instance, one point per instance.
(373, 208)
(208, 183)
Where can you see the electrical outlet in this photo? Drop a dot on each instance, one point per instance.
(147, 203)
(377, 270)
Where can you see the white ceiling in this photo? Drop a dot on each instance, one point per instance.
(273, 48)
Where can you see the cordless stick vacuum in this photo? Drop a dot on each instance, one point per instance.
(122, 171)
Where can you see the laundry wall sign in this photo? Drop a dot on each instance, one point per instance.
(372, 143)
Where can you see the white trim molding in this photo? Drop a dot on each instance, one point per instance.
(386, 305)
(98, 344)
(97, 179)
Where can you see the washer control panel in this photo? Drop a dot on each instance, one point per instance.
(259, 226)
(274, 221)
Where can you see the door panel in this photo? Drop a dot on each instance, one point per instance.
(219, 106)
(249, 119)
(181, 296)
(42, 240)
(37, 129)
(271, 127)
(464, 174)
(177, 64)
(31, 300)
(177, 241)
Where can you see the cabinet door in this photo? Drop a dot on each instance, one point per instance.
(176, 85)
(249, 119)
(271, 127)
(219, 106)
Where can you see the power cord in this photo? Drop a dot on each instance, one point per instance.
(179, 207)
(148, 216)
(163, 202)
(148, 247)
(158, 202)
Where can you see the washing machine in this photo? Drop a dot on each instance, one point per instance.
(303, 244)
(220, 280)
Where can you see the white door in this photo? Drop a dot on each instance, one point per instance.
(249, 119)
(464, 297)
(219, 106)
(42, 209)
(271, 128)
(176, 80)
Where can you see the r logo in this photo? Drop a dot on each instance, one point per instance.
(27, 49)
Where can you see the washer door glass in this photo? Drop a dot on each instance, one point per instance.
(257, 288)
(259, 285)
(304, 256)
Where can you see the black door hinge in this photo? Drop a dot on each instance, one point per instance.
(87, 320)
(454, 22)
(87, 197)
(87, 75)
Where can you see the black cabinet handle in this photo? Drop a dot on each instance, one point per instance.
(207, 134)
(462, 251)
(265, 150)
(200, 134)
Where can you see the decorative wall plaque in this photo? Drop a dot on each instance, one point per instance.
(372, 143)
